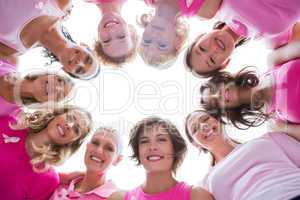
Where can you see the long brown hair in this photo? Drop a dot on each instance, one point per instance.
(245, 115)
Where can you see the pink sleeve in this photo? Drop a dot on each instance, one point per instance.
(149, 2)
(190, 10)
(281, 39)
(289, 145)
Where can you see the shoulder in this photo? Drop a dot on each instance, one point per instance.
(198, 193)
(119, 195)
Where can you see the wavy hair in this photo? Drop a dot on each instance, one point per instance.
(35, 122)
(245, 115)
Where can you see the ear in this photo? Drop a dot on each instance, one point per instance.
(117, 160)
(224, 65)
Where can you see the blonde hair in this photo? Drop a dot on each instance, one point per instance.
(163, 61)
(114, 133)
(117, 61)
(52, 154)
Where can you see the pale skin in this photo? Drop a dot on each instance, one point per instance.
(50, 87)
(159, 176)
(216, 141)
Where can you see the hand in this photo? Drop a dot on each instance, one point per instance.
(277, 125)
(67, 178)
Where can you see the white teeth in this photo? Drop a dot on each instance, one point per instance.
(111, 23)
(154, 158)
(220, 44)
(60, 131)
(96, 159)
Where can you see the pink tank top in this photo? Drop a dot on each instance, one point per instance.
(254, 18)
(16, 14)
(187, 8)
(103, 1)
(7, 107)
(180, 191)
(18, 180)
(286, 92)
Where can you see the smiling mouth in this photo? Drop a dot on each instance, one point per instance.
(110, 23)
(154, 158)
(96, 159)
(61, 131)
(220, 44)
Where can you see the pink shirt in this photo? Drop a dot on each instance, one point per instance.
(18, 180)
(7, 107)
(16, 14)
(180, 191)
(187, 8)
(252, 18)
(286, 92)
(100, 193)
(261, 169)
(103, 1)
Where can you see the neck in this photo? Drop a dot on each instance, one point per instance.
(53, 41)
(234, 36)
(158, 182)
(222, 150)
(111, 7)
(90, 181)
(167, 10)
(39, 139)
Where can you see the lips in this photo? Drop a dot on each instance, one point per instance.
(220, 44)
(110, 23)
(154, 158)
(61, 130)
(96, 159)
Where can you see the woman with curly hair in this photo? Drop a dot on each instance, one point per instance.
(32, 143)
(27, 24)
(248, 100)
(34, 88)
(158, 146)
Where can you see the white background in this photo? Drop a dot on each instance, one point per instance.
(121, 97)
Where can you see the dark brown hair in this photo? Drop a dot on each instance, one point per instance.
(218, 25)
(179, 144)
(245, 115)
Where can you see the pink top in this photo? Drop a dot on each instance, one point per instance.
(18, 180)
(100, 193)
(264, 168)
(286, 92)
(16, 14)
(252, 18)
(103, 1)
(280, 39)
(6, 107)
(180, 191)
(187, 8)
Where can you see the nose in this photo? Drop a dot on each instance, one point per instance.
(152, 146)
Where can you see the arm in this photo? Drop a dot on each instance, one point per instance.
(67, 178)
(289, 51)
(119, 195)
(200, 193)
(209, 8)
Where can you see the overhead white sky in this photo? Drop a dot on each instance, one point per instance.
(121, 97)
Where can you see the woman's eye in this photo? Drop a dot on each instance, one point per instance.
(143, 141)
(162, 45)
(202, 49)
(162, 139)
(212, 60)
(121, 37)
(147, 41)
(95, 142)
(111, 149)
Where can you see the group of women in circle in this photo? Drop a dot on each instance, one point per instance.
(35, 140)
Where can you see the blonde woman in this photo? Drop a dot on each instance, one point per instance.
(102, 152)
(164, 35)
(32, 143)
(33, 88)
